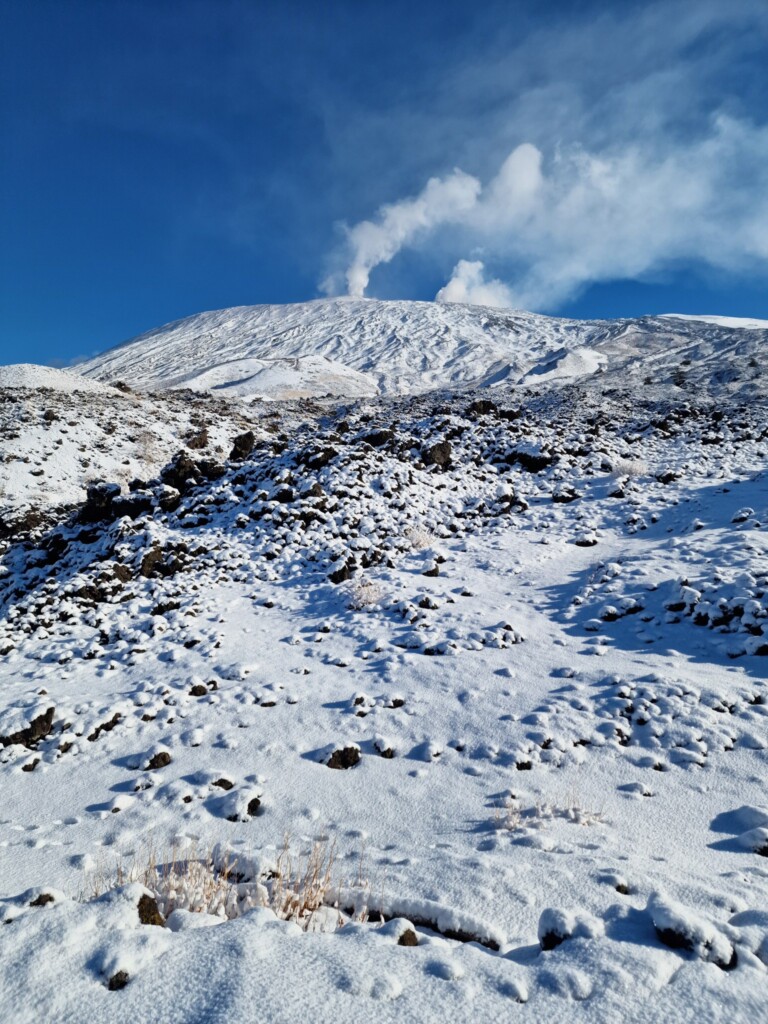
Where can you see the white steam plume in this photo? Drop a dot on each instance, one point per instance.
(442, 201)
(468, 284)
(580, 217)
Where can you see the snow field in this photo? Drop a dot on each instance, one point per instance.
(536, 620)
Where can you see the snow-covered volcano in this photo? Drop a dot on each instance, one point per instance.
(493, 659)
(360, 348)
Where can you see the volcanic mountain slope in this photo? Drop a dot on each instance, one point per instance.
(353, 348)
(502, 651)
(60, 432)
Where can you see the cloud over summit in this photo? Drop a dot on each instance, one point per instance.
(553, 226)
(652, 166)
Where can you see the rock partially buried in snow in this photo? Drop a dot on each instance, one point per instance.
(345, 757)
(148, 911)
(680, 928)
(159, 760)
(555, 926)
(756, 840)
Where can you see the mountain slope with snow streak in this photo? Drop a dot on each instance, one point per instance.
(394, 348)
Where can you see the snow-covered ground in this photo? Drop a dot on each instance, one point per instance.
(532, 622)
(743, 322)
(354, 347)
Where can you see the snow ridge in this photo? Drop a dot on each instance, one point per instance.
(357, 347)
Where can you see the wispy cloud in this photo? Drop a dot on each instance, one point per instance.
(613, 172)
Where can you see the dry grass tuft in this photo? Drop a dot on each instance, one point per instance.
(365, 593)
(419, 539)
(299, 886)
(629, 468)
(514, 817)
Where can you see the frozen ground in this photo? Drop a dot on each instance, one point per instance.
(535, 619)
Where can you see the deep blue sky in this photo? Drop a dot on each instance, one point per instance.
(161, 158)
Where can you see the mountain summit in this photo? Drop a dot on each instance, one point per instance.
(357, 348)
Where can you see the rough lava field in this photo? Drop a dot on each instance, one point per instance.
(450, 621)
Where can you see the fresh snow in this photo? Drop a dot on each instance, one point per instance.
(351, 348)
(531, 620)
(29, 375)
(743, 322)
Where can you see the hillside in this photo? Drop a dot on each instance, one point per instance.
(493, 658)
(352, 348)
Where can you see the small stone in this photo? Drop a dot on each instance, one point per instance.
(42, 900)
(149, 912)
(160, 760)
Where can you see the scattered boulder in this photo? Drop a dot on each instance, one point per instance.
(38, 728)
(668, 476)
(343, 573)
(555, 926)
(242, 446)
(378, 438)
(437, 454)
(682, 929)
(105, 727)
(253, 806)
(159, 760)
(529, 459)
(99, 502)
(181, 474)
(319, 458)
(480, 407)
(347, 757)
(132, 505)
(118, 980)
(564, 494)
(42, 900)
(384, 749)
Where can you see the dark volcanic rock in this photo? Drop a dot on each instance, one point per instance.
(533, 462)
(347, 757)
(437, 454)
(37, 730)
(242, 446)
(149, 912)
(99, 501)
(378, 438)
(160, 760)
(181, 474)
(133, 505)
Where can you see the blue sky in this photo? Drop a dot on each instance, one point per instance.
(577, 157)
